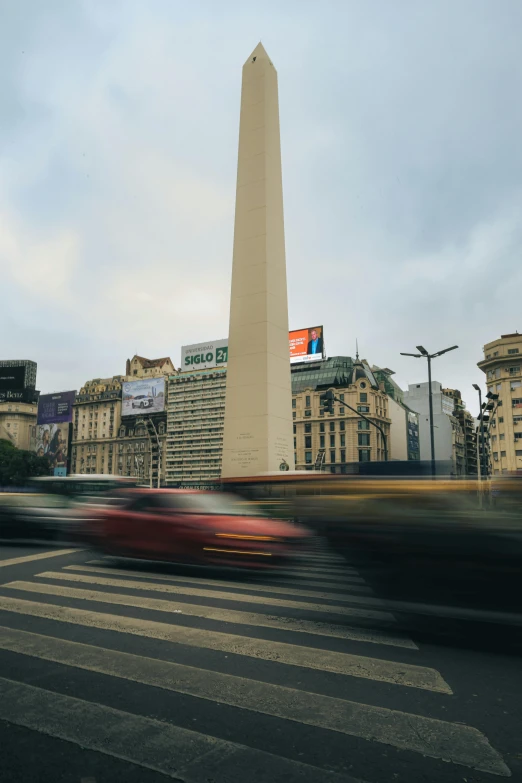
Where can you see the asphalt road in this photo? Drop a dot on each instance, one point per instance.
(125, 671)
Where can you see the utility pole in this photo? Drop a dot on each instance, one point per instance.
(423, 353)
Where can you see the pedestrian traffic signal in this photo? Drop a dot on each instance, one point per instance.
(327, 401)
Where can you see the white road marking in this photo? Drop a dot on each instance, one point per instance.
(453, 742)
(41, 556)
(308, 657)
(176, 752)
(290, 590)
(212, 613)
(189, 592)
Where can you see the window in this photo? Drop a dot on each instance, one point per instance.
(512, 350)
(295, 428)
(363, 408)
(308, 426)
(495, 353)
(332, 456)
(341, 397)
(343, 440)
(364, 455)
(363, 438)
(293, 414)
(332, 441)
(502, 437)
(308, 413)
(515, 385)
(363, 425)
(518, 435)
(321, 441)
(343, 455)
(502, 453)
(321, 427)
(493, 438)
(307, 401)
(516, 402)
(295, 443)
(308, 457)
(332, 426)
(362, 384)
(363, 397)
(498, 387)
(501, 420)
(308, 441)
(293, 403)
(514, 370)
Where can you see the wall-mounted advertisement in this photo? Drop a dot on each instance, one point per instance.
(52, 441)
(12, 379)
(143, 397)
(56, 408)
(203, 356)
(306, 345)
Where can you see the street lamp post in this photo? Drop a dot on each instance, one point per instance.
(480, 446)
(429, 356)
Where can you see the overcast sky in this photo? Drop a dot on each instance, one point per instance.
(401, 128)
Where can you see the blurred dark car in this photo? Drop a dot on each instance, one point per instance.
(194, 527)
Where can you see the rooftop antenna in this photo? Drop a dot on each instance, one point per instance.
(356, 349)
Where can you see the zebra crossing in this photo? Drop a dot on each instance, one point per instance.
(249, 645)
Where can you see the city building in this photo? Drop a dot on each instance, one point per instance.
(17, 423)
(449, 438)
(332, 441)
(104, 441)
(502, 364)
(404, 421)
(468, 426)
(195, 418)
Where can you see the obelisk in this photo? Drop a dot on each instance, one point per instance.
(258, 435)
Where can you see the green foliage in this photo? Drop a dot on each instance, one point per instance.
(16, 466)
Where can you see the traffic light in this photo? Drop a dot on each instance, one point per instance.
(327, 401)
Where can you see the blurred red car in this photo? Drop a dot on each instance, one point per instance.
(193, 527)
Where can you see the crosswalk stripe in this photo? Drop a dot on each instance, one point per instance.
(340, 607)
(308, 657)
(41, 556)
(222, 615)
(453, 742)
(259, 588)
(333, 579)
(176, 752)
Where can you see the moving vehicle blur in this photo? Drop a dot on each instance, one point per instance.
(53, 507)
(193, 527)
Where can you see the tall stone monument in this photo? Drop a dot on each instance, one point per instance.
(258, 435)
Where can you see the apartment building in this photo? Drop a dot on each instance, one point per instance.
(195, 418)
(502, 364)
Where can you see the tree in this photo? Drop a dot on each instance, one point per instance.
(16, 465)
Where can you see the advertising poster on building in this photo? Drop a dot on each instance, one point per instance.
(306, 345)
(203, 356)
(56, 408)
(12, 378)
(52, 441)
(143, 397)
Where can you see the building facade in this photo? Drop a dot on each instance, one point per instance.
(468, 427)
(449, 436)
(332, 441)
(104, 442)
(404, 421)
(18, 423)
(195, 420)
(502, 364)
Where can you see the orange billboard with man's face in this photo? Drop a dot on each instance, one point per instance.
(306, 345)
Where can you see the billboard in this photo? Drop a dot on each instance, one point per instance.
(56, 408)
(306, 345)
(142, 397)
(12, 379)
(203, 356)
(52, 441)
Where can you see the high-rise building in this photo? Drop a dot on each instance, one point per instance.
(195, 418)
(502, 364)
(404, 421)
(257, 433)
(449, 436)
(468, 427)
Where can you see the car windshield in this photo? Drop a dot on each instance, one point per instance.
(209, 503)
